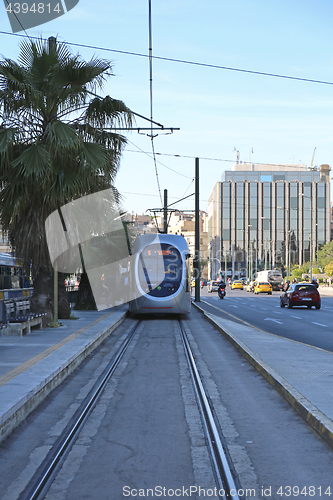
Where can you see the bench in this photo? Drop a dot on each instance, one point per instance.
(24, 327)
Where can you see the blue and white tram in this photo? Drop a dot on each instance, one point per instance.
(160, 275)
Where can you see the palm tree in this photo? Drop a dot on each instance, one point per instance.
(54, 142)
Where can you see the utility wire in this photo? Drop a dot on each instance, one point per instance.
(17, 19)
(217, 159)
(184, 61)
(149, 154)
(151, 96)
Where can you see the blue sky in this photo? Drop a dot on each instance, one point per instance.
(217, 110)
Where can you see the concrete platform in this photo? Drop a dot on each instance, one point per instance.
(33, 365)
(301, 373)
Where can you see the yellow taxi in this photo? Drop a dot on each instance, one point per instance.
(237, 284)
(262, 287)
(249, 287)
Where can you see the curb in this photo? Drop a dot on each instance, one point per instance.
(318, 420)
(21, 409)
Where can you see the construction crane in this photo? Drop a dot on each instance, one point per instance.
(311, 166)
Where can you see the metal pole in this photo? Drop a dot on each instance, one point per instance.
(52, 44)
(311, 239)
(225, 267)
(55, 295)
(165, 212)
(317, 243)
(221, 239)
(196, 261)
(265, 255)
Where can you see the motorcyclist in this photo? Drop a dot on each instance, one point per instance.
(222, 287)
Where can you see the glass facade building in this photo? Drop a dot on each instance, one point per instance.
(269, 217)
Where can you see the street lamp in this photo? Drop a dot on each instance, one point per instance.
(249, 262)
(262, 237)
(288, 245)
(288, 237)
(310, 198)
(317, 243)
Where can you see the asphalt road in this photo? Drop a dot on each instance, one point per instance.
(309, 326)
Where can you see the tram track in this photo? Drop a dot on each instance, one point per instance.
(220, 464)
(41, 481)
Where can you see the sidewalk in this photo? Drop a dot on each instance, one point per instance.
(325, 290)
(301, 373)
(33, 365)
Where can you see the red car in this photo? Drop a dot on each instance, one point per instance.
(301, 294)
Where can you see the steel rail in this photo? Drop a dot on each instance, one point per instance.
(222, 471)
(42, 479)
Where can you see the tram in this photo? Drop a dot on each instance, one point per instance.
(15, 290)
(160, 277)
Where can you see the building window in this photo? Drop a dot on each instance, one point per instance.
(265, 178)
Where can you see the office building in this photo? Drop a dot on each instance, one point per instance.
(267, 216)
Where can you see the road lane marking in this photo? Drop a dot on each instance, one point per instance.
(263, 308)
(320, 324)
(235, 317)
(275, 320)
(257, 328)
(297, 317)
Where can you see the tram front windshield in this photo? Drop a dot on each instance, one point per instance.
(149, 271)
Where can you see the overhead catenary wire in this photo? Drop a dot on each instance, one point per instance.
(151, 97)
(221, 159)
(17, 19)
(183, 61)
(149, 154)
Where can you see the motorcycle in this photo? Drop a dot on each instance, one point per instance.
(221, 293)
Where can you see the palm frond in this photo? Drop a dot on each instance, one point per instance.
(35, 160)
(44, 161)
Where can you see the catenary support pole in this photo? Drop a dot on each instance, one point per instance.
(196, 261)
(165, 212)
(52, 43)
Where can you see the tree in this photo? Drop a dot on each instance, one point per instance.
(329, 269)
(54, 146)
(296, 272)
(325, 255)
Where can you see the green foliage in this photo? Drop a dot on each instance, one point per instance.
(296, 272)
(316, 270)
(325, 255)
(329, 269)
(305, 267)
(54, 142)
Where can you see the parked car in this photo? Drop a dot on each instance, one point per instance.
(301, 294)
(213, 286)
(263, 287)
(237, 284)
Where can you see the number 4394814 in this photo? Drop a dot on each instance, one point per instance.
(306, 491)
(36, 8)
